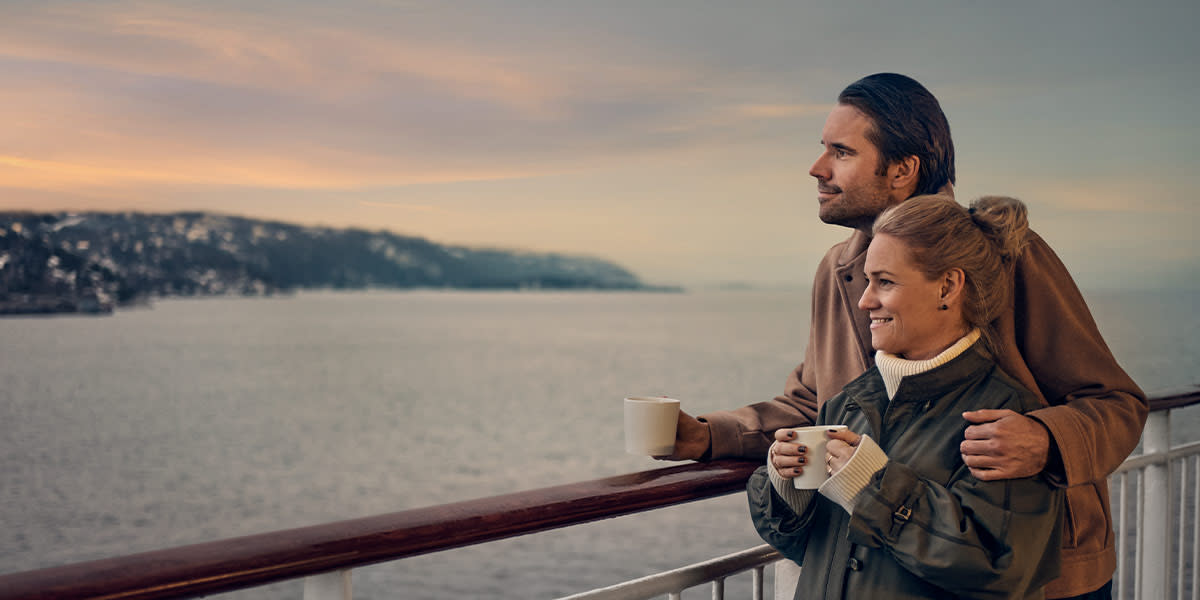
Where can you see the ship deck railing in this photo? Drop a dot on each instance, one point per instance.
(1154, 494)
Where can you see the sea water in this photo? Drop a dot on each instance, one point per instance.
(201, 419)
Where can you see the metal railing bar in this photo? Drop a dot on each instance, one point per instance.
(1144, 460)
(1157, 488)
(1180, 564)
(1139, 541)
(675, 581)
(1122, 543)
(1196, 532)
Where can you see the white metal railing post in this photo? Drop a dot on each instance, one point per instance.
(1122, 574)
(787, 576)
(1156, 489)
(335, 585)
(718, 588)
(1181, 514)
(1195, 531)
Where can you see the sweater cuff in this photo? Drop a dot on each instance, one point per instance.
(844, 486)
(797, 500)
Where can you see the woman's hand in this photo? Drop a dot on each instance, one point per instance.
(840, 448)
(788, 457)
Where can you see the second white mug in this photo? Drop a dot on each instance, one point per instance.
(814, 438)
(650, 425)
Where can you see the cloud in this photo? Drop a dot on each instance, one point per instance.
(372, 112)
(1122, 194)
(162, 92)
(783, 111)
(425, 208)
(306, 172)
(257, 51)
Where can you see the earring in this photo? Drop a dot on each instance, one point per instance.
(943, 307)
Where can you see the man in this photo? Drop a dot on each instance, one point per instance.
(888, 140)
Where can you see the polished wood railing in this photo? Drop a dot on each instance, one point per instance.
(249, 561)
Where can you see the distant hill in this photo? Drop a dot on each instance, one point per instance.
(89, 262)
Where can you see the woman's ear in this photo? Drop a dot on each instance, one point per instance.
(953, 282)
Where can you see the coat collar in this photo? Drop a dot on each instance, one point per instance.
(855, 249)
(923, 387)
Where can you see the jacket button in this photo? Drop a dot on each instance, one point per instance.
(854, 564)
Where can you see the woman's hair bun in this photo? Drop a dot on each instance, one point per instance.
(1004, 221)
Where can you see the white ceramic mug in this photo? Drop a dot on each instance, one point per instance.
(814, 439)
(650, 425)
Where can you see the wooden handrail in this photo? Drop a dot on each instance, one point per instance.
(1177, 398)
(236, 563)
(249, 561)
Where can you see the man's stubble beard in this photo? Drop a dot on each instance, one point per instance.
(859, 208)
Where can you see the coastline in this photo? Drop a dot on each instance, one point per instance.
(25, 305)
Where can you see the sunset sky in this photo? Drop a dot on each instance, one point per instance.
(673, 137)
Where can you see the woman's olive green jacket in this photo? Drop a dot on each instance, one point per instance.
(923, 527)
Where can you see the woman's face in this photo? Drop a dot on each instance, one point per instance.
(904, 305)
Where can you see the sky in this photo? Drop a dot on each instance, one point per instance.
(672, 137)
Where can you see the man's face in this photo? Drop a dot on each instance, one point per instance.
(850, 192)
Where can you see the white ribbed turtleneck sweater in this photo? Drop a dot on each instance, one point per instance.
(893, 368)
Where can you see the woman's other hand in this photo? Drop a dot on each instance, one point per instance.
(840, 448)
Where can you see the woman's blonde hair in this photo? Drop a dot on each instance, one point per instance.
(984, 241)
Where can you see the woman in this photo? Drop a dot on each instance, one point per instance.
(901, 516)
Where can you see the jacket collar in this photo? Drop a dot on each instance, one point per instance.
(855, 249)
(851, 282)
(922, 387)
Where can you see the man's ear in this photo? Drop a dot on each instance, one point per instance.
(904, 173)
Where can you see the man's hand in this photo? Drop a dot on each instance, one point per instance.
(692, 439)
(1002, 444)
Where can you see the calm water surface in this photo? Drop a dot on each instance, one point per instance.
(196, 420)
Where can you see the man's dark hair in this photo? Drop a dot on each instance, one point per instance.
(906, 121)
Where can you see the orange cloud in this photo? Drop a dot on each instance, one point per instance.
(1119, 194)
(126, 123)
(425, 208)
(268, 172)
(258, 51)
